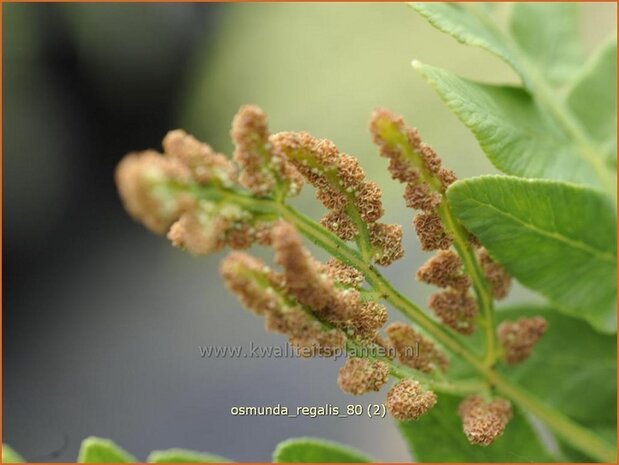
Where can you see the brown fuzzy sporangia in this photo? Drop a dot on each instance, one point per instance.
(519, 337)
(484, 421)
(407, 400)
(361, 375)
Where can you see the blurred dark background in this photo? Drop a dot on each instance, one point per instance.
(102, 320)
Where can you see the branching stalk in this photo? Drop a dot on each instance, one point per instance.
(460, 238)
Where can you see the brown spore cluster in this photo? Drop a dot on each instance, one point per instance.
(407, 400)
(161, 190)
(263, 170)
(453, 305)
(340, 183)
(483, 421)
(361, 375)
(518, 338)
(498, 278)
(322, 288)
(416, 165)
(444, 269)
(455, 308)
(415, 350)
(261, 290)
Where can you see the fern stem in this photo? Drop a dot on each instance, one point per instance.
(363, 237)
(480, 284)
(460, 238)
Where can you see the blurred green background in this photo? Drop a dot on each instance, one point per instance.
(102, 320)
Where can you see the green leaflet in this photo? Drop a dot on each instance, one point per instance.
(573, 368)
(98, 450)
(555, 238)
(10, 456)
(184, 456)
(542, 43)
(310, 450)
(438, 437)
(470, 25)
(547, 36)
(593, 98)
(514, 133)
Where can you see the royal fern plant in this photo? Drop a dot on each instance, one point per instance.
(466, 380)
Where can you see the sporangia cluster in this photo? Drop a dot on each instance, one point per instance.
(205, 202)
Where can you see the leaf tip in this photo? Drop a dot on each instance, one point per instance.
(314, 450)
(10, 456)
(99, 450)
(423, 69)
(417, 6)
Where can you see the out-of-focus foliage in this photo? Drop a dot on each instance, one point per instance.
(310, 450)
(299, 450)
(184, 456)
(592, 98)
(98, 450)
(10, 456)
